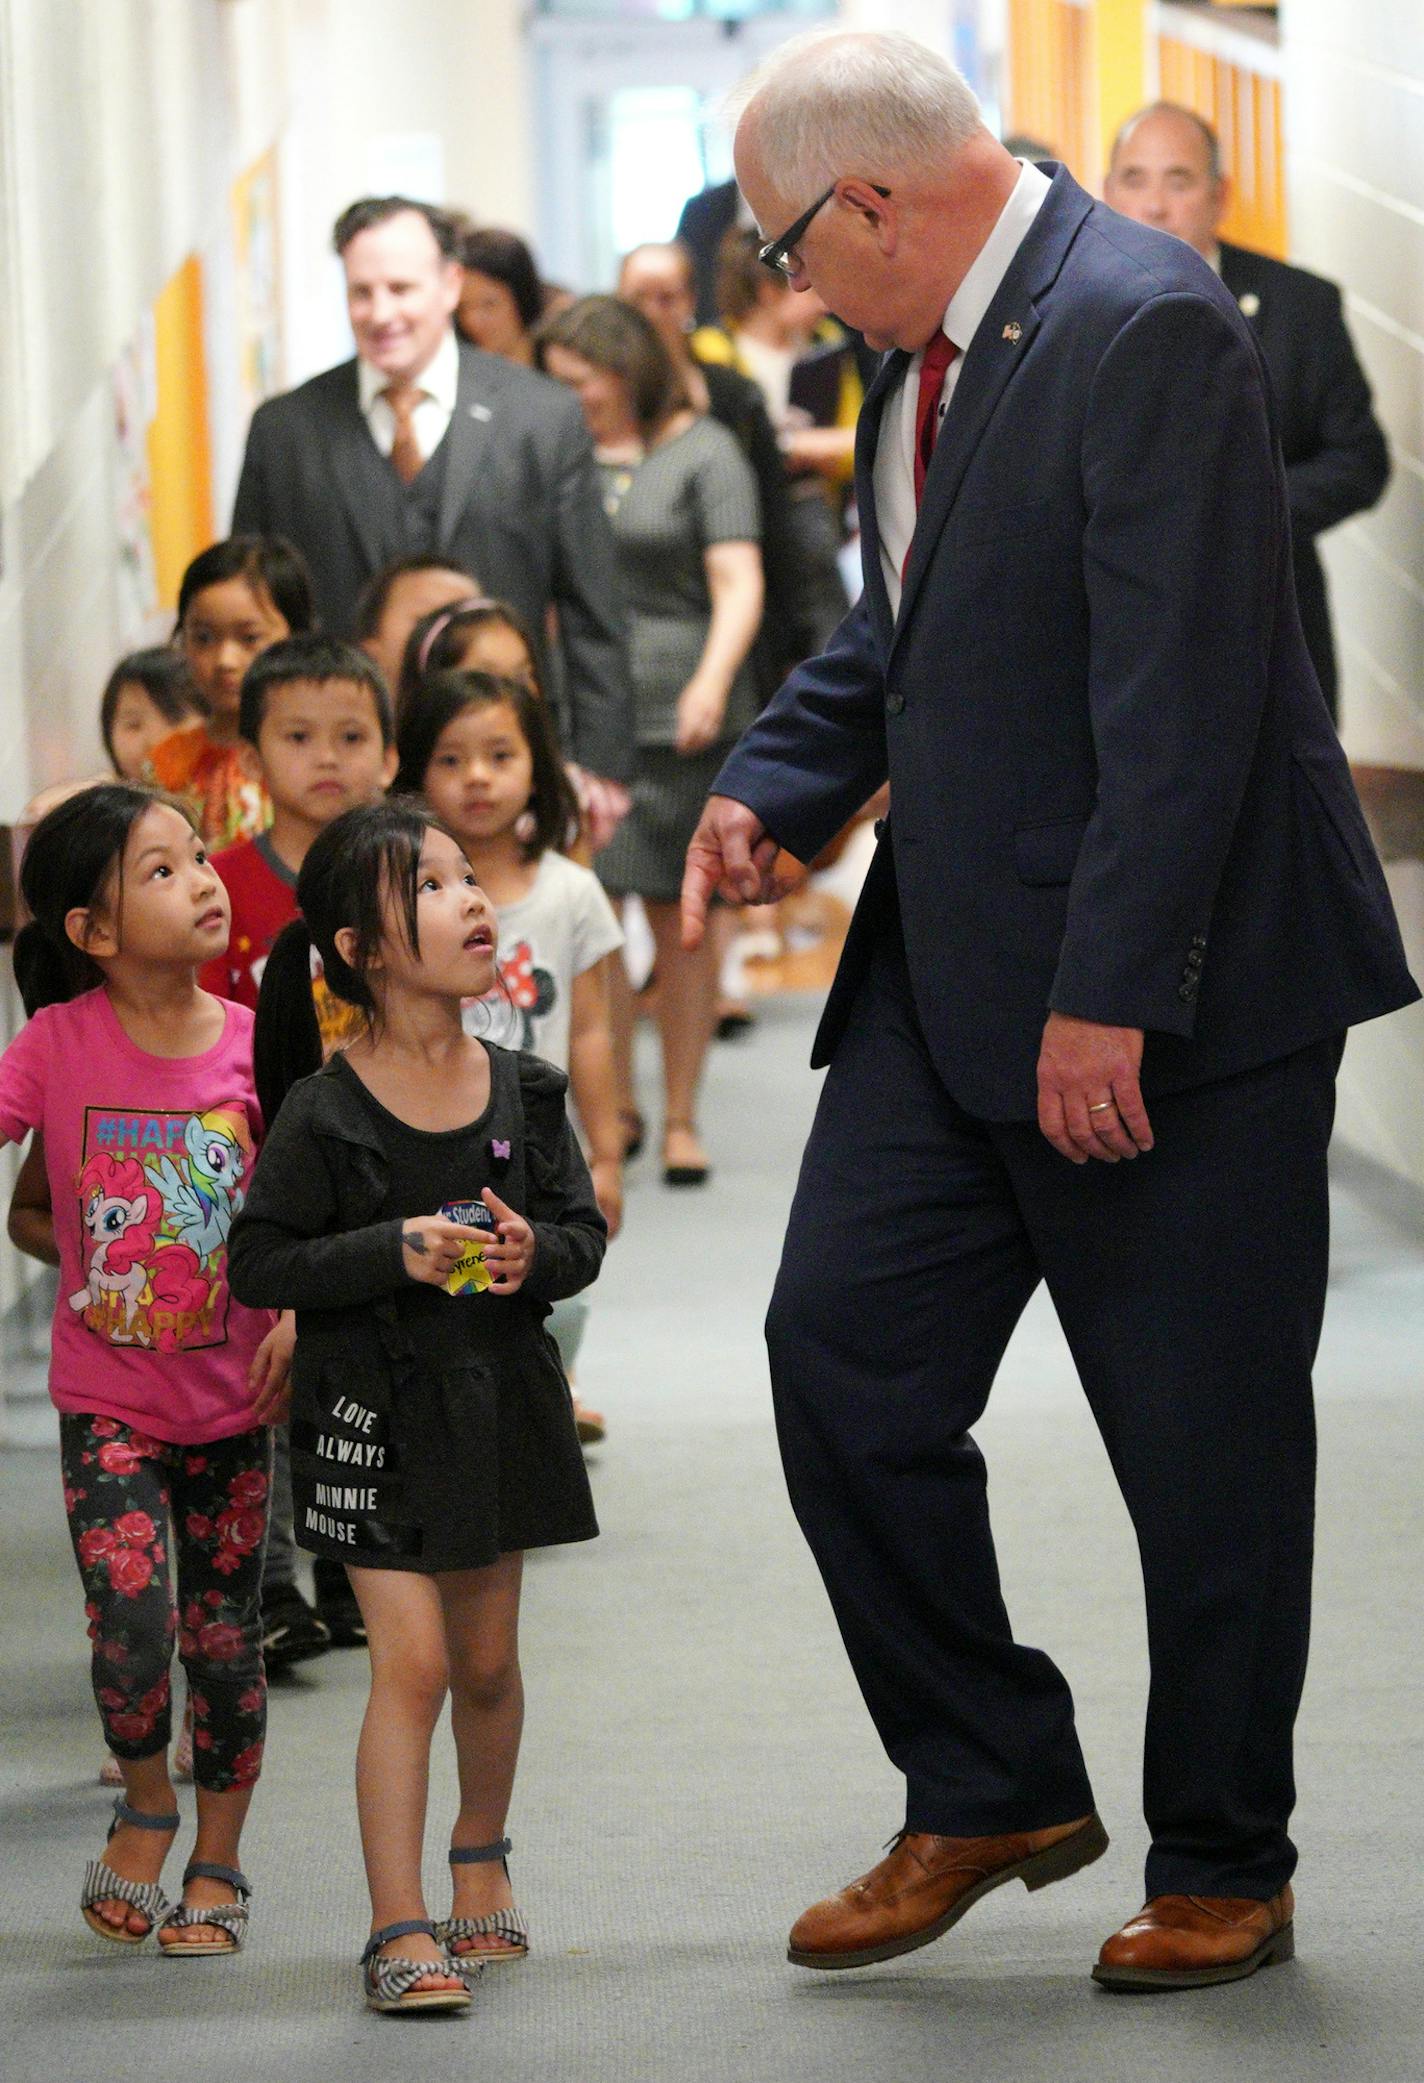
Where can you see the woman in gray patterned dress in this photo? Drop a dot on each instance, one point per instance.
(683, 504)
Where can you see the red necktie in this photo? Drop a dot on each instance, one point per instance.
(938, 356)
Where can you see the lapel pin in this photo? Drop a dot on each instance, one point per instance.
(499, 1150)
(1013, 331)
(1250, 304)
(480, 412)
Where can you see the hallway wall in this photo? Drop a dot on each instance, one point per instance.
(1354, 95)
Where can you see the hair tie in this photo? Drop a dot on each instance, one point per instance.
(439, 626)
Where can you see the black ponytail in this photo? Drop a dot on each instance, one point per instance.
(286, 1041)
(73, 854)
(362, 858)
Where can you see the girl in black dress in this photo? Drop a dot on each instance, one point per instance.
(420, 1203)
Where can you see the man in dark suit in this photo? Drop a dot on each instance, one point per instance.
(1090, 1010)
(1166, 171)
(424, 444)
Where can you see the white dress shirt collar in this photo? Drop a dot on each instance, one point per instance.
(894, 468)
(440, 378)
(981, 285)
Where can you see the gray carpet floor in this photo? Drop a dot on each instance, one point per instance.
(698, 1765)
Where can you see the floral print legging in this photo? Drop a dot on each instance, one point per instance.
(127, 1495)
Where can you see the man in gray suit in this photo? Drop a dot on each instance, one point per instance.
(422, 443)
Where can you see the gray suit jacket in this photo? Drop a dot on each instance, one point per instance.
(520, 508)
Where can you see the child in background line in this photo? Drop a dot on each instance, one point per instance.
(398, 597)
(150, 694)
(142, 1087)
(421, 1201)
(468, 636)
(316, 714)
(481, 750)
(488, 636)
(236, 598)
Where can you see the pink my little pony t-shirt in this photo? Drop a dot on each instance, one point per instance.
(148, 1160)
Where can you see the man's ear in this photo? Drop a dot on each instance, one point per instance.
(452, 281)
(390, 766)
(91, 932)
(878, 210)
(250, 760)
(1223, 201)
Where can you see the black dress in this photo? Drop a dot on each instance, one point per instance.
(430, 1431)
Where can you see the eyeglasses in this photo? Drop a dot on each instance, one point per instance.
(776, 253)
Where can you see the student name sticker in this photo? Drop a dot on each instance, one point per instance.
(470, 1275)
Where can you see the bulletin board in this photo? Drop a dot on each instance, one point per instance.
(255, 219)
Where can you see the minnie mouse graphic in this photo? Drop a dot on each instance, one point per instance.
(530, 992)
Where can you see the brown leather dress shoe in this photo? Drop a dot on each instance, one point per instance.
(1191, 1941)
(927, 1883)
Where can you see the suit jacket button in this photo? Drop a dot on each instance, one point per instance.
(1186, 992)
(894, 701)
(1199, 940)
(1194, 958)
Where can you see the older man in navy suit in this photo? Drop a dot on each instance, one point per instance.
(1088, 1020)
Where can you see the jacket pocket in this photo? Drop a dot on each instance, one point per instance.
(1046, 854)
(1340, 809)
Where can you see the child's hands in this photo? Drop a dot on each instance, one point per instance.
(432, 1247)
(270, 1375)
(509, 1253)
(607, 1176)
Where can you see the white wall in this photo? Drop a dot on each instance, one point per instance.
(1354, 98)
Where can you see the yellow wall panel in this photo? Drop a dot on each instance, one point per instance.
(179, 440)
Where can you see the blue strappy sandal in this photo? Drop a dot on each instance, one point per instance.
(102, 1884)
(230, 1917)
(390, 1979)
(507, 1924)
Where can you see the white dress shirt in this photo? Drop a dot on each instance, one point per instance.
(895, 509)
(437, 383)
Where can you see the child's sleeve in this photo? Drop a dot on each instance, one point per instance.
(285, 1250)
(23, 1079)
(570, 1234)
(596, 929)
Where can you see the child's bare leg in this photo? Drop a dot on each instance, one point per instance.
(405, 1630)
(487, 1713)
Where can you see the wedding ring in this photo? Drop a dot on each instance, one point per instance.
(1102, 1106)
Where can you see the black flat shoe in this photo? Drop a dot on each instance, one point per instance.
(684, 1174)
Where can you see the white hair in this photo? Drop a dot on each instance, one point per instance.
(831, 104)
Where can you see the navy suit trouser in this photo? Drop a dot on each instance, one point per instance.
(1190, 1284)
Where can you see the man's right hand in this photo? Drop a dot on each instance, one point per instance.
(731, 850)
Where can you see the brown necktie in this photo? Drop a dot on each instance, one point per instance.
(405, 449)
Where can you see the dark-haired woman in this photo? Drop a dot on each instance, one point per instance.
(141, 1086)
(236, 598)
(422, 1201)
(501, 298)
(683, 504)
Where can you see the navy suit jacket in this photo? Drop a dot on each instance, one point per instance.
(1116, 791)
(1336, 455)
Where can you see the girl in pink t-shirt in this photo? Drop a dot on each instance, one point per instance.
(141, 1086)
